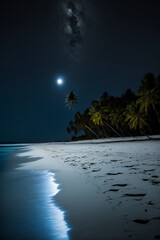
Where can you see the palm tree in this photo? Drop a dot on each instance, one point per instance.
(148, 100)
(72, 99)
(135, 118)
(117, 118)
(99, 115)
(149, 94)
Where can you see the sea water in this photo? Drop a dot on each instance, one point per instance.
(28, 209)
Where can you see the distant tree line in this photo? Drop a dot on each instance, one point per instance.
(129, 115)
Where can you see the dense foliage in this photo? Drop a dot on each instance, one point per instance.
(129, 115)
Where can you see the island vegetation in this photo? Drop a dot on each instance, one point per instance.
(132, 114)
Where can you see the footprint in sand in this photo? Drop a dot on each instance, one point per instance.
(134, 195)
(155, 182)
(129, 166)
(113, 190)
(84, 168)
(148, 170)
(119, 185)
(91, 164)
(145, 221)
(145, 179)
(110, 174)
(150, 203)
(142, 221)
(115, 160)
(96, 170)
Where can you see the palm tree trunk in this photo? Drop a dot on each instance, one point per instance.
(91, 131)
(113, 129)
(88, 127)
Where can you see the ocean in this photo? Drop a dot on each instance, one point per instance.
(28, 209)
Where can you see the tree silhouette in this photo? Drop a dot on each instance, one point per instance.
(117, 118)
(131, 114)
(135, 118)
(100, 115)
(72, 99)
(149, 95)
(148, 99)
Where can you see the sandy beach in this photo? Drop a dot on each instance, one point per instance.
(109, 189)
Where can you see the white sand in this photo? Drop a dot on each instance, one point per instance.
(88, 173)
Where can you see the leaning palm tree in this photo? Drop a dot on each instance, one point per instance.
(149, 99)
(99, 116)
(135, 118)
(72, 99)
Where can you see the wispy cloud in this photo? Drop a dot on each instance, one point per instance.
(73, 24)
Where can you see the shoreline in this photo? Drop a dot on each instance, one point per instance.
(101, 184)
(28, 197)
(89, 141)
(117, 140)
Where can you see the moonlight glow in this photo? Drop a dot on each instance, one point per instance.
(59, 81)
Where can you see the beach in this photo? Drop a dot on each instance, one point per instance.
(109, 188)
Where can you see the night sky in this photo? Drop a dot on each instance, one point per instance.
(94, 45)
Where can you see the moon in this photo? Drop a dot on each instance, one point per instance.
(59, 81)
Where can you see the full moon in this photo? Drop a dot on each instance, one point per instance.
(59, 81)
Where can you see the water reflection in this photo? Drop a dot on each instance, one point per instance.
(27, 206)
(52, 189)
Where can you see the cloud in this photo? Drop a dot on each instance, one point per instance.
(73, 24)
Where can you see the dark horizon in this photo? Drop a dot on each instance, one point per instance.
(107, 46)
